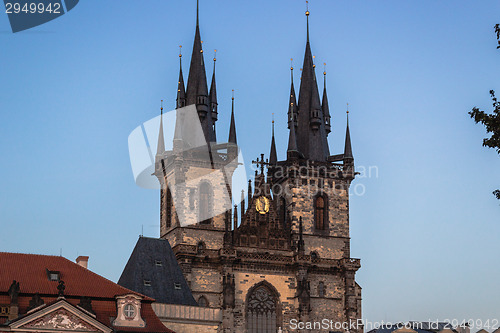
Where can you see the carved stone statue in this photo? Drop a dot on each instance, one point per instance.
(35, 302)
(61, 288)
(14, 292)
(228, 286)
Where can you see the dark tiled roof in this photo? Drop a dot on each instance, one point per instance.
(153, 261)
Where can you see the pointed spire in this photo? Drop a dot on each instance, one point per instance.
(348, 148)
(311, 132)
(213, 93)
(181, 90)
(273, 157)
(292, 104)
(232, 128)
(197, 89)
(160, 149)
(324, 105)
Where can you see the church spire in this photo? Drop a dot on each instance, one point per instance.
(232, 126)
(273, 157)
(348, 148)
(160, 148)
(311, 132)
(197, 89)
(213, 93)
(292, 104)
(181, 90)
(324, 105)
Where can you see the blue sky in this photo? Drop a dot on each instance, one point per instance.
(427, 225)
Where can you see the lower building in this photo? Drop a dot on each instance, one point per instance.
(40, 293)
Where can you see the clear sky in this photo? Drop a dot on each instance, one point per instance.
(426, 225)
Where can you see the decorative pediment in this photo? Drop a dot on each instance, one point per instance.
(59, 317)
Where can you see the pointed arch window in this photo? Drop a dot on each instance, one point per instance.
(169, 209)
(262, 311)
(320, 212)
(205, 203)
(203, 302)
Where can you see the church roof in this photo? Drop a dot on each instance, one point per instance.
(152, 270)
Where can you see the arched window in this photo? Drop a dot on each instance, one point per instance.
(262, 311)
(203, 302)
(314, 255)
(205, 203)
(283, 216)
(169, 211)
(321, 289)
(201, 247)
(320, 213)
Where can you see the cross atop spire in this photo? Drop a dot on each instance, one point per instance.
(273, 157)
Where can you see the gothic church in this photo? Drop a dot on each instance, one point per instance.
(282, 255)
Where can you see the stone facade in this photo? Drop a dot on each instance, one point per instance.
(283, 254)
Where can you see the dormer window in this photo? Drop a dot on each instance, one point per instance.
(128, 311)
(53, 275)
(177, 286)
(158, 263)
(147, 283)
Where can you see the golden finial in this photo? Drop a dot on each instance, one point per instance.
(307, 8)
(291, 64)
(180, 51)
(233, 95)
(347, 108)
(161, 108)
(273, 117)
(215, 55)
(324, 65)
(314, 58)
(201, 51)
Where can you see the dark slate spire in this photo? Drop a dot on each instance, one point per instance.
(197, 89)
(232, 126)
(181, 90)
(347, 148)
(325, 108)
(160, 149)
(213, 94)
(292, 104)
(273, 157)
(311, 133)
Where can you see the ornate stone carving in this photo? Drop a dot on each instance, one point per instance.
(35, 302)
(61, 319)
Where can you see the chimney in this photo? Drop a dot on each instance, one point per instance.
(83, 261)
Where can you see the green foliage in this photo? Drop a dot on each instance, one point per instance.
(491, 122)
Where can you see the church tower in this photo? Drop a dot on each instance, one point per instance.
(282, 255)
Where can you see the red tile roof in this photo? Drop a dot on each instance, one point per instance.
(30, 270)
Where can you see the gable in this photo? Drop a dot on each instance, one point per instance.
(59, 317)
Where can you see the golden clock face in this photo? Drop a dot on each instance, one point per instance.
(262, 205)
